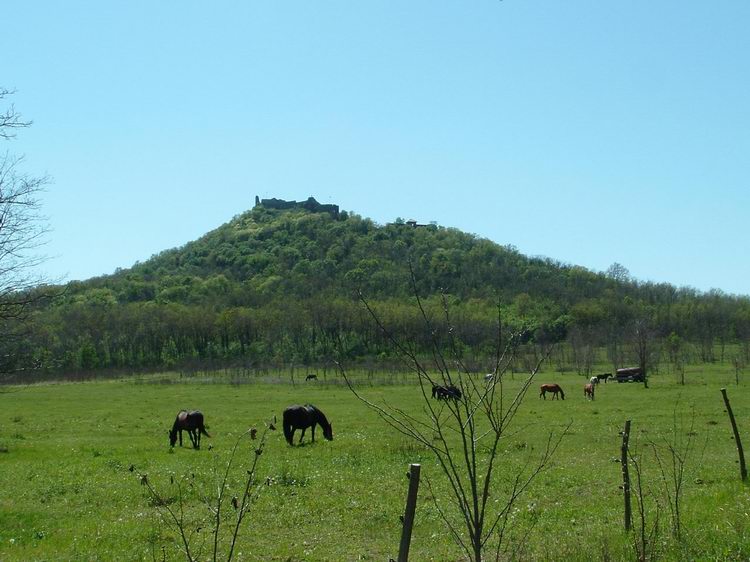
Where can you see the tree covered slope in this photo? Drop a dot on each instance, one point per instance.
(281, 284)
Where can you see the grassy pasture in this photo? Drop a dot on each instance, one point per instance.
(66, 491)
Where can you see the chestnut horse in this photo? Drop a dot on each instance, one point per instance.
(588, 391)
(553, 388)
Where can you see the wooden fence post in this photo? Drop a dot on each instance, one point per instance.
(626, 475)
(743, 468)
(411, 505)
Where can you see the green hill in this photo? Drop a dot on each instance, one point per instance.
(276, 285)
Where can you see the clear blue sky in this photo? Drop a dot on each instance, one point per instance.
(590, 132)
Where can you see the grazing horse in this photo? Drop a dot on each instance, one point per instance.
(311, 377)
(445, 392)
(553, 388)
(603, 377)
(488, 377)
(594, 380)
(192, 422)
(302, 417)
(588, 391)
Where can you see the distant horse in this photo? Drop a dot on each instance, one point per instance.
(603, 377)
(488, 377)
(311, 377)
(192, 422)
(302, 417)
(446, 392)
(594, 380)
(588, 391)
(553, 388)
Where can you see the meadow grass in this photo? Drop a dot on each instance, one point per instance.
(71, 455)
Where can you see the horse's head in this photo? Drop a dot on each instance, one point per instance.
(328, 432)
(172, 437)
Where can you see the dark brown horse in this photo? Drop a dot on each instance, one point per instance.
(302, 417)
(553, 388)
(446, 392)
(588, 391)
(192, 422)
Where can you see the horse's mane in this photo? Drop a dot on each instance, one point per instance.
(323, 420)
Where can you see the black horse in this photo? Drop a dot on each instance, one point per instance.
(302, 417)
(192, 422)
(446, 392)
(311, 377)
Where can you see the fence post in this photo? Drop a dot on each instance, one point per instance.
(626, 475)
(743, 468)
(411, 505)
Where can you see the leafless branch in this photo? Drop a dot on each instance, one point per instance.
(453, 429)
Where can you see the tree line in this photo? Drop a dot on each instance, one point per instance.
(280, 287)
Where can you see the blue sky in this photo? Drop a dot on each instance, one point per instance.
(590, 132)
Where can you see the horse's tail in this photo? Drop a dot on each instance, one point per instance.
(288, 432)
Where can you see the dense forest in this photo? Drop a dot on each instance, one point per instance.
(282, 286)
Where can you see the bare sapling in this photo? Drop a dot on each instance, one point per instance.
(673, 454)
(212, 534)
(646, 535)
(462, 422)
(739, 364)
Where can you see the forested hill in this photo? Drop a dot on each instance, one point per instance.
(265, 254)
(278, 285)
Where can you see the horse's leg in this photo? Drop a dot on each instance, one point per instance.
(180, 438)
(303, 434)
(313, 433)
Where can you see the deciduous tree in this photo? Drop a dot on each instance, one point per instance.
(22, 228)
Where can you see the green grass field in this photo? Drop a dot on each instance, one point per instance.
(67, 491)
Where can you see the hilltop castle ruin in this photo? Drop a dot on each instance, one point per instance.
(311, 205)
